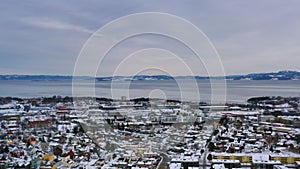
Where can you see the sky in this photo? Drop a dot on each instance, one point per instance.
(46, 37)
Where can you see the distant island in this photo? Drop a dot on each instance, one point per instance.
(280, 75)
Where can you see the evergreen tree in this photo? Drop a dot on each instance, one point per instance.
(209, 157)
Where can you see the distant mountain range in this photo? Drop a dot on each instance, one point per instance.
(281, 75)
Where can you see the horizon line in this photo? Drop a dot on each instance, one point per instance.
(147, 75)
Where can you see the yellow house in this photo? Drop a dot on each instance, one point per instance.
(286, 159)
(10, 143)
(243, 158)
(32, 142)
(48, 157)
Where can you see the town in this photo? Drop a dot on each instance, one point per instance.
(148, 133)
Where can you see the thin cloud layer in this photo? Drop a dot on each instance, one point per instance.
(53, 24)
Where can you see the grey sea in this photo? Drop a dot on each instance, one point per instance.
(200, 90)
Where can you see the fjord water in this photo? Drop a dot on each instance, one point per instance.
(236, 90)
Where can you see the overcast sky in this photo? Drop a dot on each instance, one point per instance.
(45, 37)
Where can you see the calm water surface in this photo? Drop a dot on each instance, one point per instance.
(236, 91)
